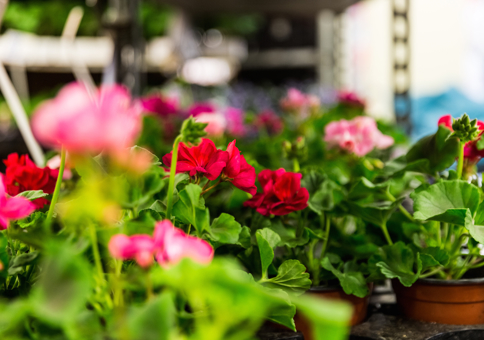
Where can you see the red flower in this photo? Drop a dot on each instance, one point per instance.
(239, 172)
(270, 121)
(160, 105)
(23, 175)
(282, 193)
(204, 159)
(471, 152)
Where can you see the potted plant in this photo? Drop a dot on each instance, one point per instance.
(433, 254)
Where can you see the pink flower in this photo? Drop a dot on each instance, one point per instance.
(83, 124)
(298, 102)
(138, 247)
(172, 245)
(204, 159)
(162, 106)
(168, 245)
(12, 208)
(350, 99)
(359, 136)
(471, 152)
(216, 123)
(269, 121)
(282, 193)
(235, 122)
(199, 108)
(239, 172)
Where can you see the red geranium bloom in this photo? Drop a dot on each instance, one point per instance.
(270, 121)
(470, 150)
(23, 175)
(282, 193)
(204, 159)
(239, 172)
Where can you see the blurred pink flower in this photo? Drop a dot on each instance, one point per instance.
(359, 136)
(54, 164)
(83, 124)
(12, 208)
(173, 245)
(298, 102)
(138, 247)
(351, 99)
(269, 121)
(169, 245)
(235, 122)
(162, 106)
(216, 123)
(201, 107)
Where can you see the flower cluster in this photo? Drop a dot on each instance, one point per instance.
(12, 208)
(471, 152)
(85, 122)
(208, 161)
(270, 122)
(168, 245)
(23, 175)
(162, 106)
(281, 195)
(350, 99)
(299, 103)
(359, 136)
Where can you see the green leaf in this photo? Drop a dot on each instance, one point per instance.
(141, 190)
(398, 261)
(64, 287)
(440, 150)
(155, 320)
(225, 229)
(363, 187)
(352, 281)
(19, 262)
(452, 202)
(267, 241)
(154, 159)
(284, 313)
(377, 213)
(324, 194)
(244, 238)
(32, 194)
(3, 256)
(35, 219)
(433, 256)
(190, 208)
(291, 276)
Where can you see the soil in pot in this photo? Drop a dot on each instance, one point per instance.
(453, 302)
(472, 334)
(360, 307)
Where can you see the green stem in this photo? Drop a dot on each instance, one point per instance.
(149, 287)
(58, 184)
(385, 232)
(400, 207)
(460, 162)
(210, 188)
(118, 288)
(95, 251)
(431, 273)
(446, 234)
(327, 227)
(296, 166)
(171, 184)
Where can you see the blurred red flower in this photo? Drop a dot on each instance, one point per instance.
(239, 172)
(23, 175)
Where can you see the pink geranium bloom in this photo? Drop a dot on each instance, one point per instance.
(359, 136)
(235, 122)
(137, 247)
(169, 245)
(238, 171)
(162, 106)
(298, 102)
(172, 245)
(199, 108)
(351, 99)
(204, 159)
(83, 123)
(269, 121)
(281, 195)
(12, 208)
(471, 152)
(216, 123)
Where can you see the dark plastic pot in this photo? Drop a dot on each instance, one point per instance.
(360, 307)
(453, 302)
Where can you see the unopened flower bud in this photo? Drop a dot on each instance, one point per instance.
(297, 150)
(192, 131)
(465, 129)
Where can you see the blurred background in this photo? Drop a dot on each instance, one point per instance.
(410, 60)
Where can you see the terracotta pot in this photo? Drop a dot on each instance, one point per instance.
(360, 307)
(453, 302)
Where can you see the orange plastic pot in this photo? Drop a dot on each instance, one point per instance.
(453, 302)
(360, 307)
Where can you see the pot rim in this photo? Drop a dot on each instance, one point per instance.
(460, 282)
(331, 288)
(435, 337)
